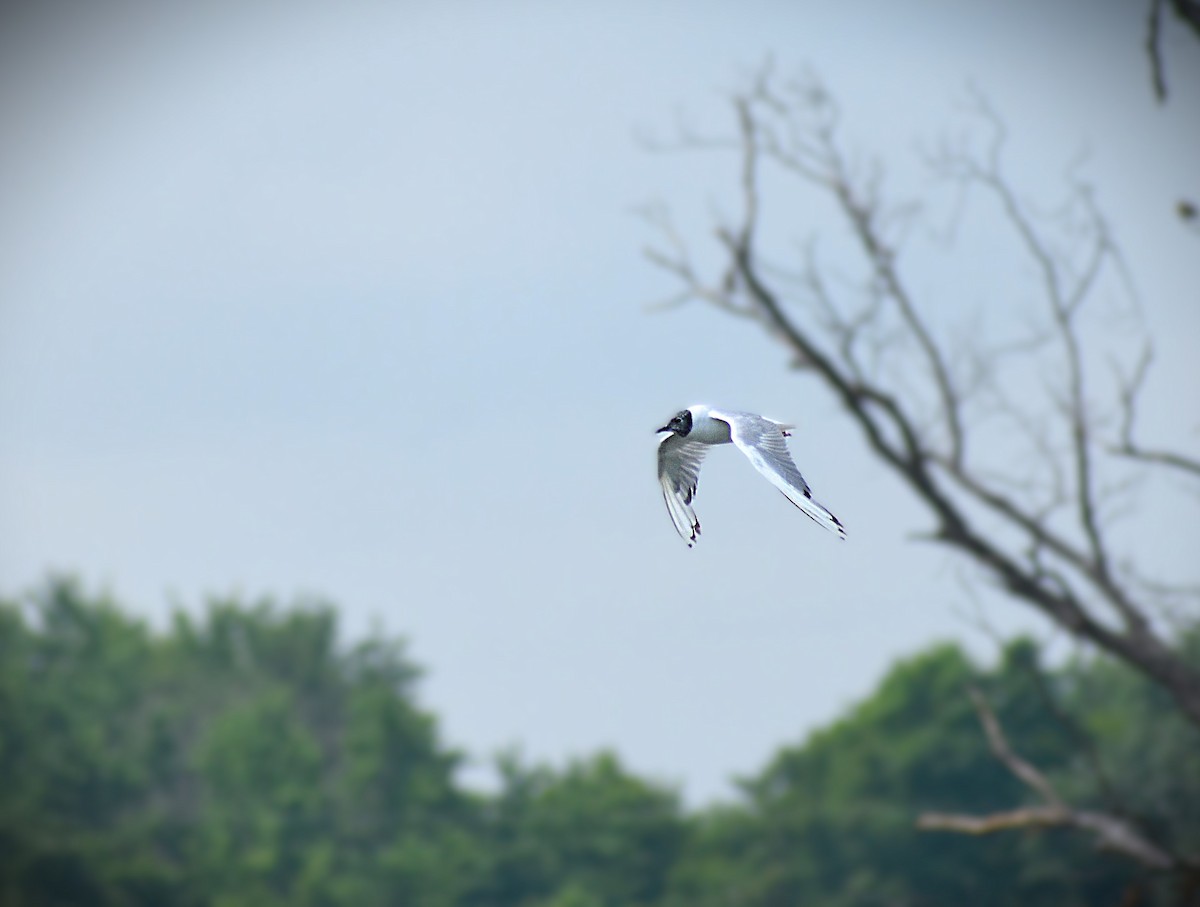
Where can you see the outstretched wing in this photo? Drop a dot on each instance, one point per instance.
(762, 441)
(678, 472)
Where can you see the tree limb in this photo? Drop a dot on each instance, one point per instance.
(1154, 50)
(1188, 12)
(1111, 832)
(1129, 391)
(1005, 753)
(1064, 579)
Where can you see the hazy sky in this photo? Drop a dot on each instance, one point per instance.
(348, 300)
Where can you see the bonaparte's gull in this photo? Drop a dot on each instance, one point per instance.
(693, 430)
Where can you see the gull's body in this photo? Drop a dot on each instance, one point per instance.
(694, 430)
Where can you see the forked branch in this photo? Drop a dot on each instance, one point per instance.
(1111, 832)
(909, 404)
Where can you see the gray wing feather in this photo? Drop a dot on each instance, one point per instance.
(762, 441)
(678, 472)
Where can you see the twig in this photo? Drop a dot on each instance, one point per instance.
(1154, 50)
(1129, 390)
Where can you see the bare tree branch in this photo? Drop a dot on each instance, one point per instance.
(1005, 753)
(1064, 568)
(1130, 390)
(1160, 457)
(816, 158)
(1154, 50)
(1032, 513)
(1112, 833)
(1188, 12)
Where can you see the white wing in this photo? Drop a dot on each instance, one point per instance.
(678, 472)
(762, 441)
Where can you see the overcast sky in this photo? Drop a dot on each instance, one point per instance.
(348, 300)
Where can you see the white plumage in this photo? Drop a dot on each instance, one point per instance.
(694, 430)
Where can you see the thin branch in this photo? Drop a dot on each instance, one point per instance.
(1005, 753)
(1188, 12)
(676, 262)
(1084, 742)
(1130, 390)
(908, 456)
(886, 412)
(749, 172)
(813, 156)
(1160, 458)
(883, 260)
(1043, 537)
(1064, 304)
(820, 162)
(1112, 832)
(1154, 50)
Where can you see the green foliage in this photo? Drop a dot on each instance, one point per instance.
(833, 818)
(590, 835)
(246, 758)
(238, 759)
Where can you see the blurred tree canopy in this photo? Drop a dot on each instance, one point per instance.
(246, 757)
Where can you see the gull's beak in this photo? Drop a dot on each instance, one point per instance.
(664, 428)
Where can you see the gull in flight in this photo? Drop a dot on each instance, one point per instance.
(693, 430)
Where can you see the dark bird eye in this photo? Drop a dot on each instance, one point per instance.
(682, 423)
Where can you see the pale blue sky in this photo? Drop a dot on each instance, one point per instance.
(348, 300)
